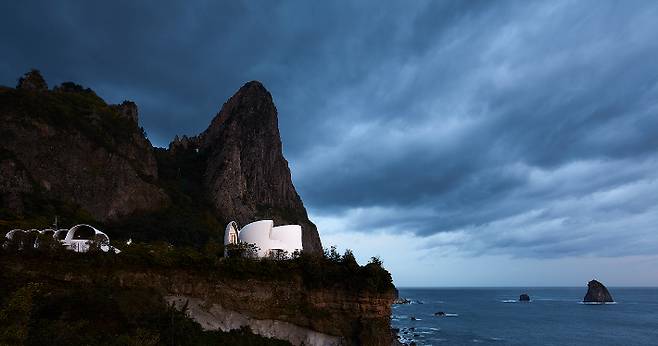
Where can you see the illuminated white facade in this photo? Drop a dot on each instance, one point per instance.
(78, 238)
(265, 236)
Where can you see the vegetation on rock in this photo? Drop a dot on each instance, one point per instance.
(60, 313)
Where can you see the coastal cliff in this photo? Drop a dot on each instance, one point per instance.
(283, 308)
(66, 152)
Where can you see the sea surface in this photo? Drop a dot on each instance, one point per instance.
(554, 316)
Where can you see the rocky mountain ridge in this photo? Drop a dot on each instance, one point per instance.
(66, 152)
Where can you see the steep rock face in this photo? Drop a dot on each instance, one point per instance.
(67, 152)
(284, 311)
(128, 110)
(247, 176)
(597, 293)
(72, 147)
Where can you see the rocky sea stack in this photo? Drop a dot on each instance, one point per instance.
(524, 298)
(597, 293)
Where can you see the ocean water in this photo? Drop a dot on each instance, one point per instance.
(554, 316)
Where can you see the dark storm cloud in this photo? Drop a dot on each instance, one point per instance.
(492, 127)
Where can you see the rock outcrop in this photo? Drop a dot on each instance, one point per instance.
(128, 110)
(247, 177)
(524, 297)
(73, 148)
(399, 301)
(67, 147)
(597, 293)
(32, 81)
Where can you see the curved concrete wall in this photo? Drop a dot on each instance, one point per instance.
(66, 237)
(290, 236)
(266, 237)
(232, 227)
(258, 233)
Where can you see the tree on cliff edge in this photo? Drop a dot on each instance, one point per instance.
(32, 81)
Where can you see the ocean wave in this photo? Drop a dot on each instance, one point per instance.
(508, 301)
(597, 303)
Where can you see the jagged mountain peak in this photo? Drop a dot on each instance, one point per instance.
(247, 176)
(94, 156)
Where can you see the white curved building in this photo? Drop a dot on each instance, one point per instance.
(60, 234)
(265, 236)
(78, 238)
(13, 232)
(48, 231)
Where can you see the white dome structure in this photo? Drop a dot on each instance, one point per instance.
(16, 235)
(11, 234)
(23, 238)
(60, 234)
(48, 231)
(78, 238)
(270, 240)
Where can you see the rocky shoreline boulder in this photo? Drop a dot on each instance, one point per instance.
(597, 293)
(401, 301)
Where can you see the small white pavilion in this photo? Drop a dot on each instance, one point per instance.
(265, 236)
(78, 238)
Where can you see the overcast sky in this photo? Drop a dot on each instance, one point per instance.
(466, 143)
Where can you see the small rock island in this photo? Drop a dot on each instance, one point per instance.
(597, 293)
(524, 297)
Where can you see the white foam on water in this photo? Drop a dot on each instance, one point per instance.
(508, 301)
(598, 303)
(452, 315)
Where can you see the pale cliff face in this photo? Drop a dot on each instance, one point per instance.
(284, 310)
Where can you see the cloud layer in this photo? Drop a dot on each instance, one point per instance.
(478, 128)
